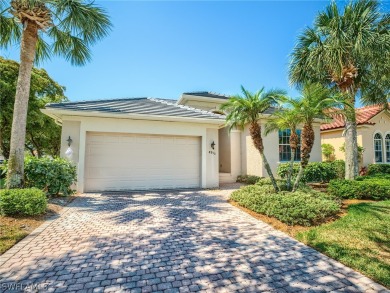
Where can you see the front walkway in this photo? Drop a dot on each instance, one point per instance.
(168, 242)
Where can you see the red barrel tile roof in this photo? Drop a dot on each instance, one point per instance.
(363, 116)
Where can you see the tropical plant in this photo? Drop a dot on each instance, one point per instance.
(42, 133)
(349, 50)
(247, 109)
(328, 151)
(313, 102)
(360, 152)
(44, 28)
(286, 119)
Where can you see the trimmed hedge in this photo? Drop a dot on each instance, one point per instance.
(305, 208)
(29, 202)
(315, 171)
(374, 188)
(248, 179)
(374, 169)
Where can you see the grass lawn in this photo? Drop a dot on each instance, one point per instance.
(14, 229)
(360, 239)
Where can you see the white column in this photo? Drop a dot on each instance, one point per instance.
(235, 153)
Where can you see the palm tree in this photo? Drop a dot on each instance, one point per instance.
(43, 28)
(350, 51)
(247, 109)
(286, 119)
(313, 102)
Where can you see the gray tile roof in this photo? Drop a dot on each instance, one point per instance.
(207, 94)
(147, 106)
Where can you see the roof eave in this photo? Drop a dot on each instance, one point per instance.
(58, 114)
(361, 125)
(186, 97)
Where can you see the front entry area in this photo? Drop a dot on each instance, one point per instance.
(120, 161)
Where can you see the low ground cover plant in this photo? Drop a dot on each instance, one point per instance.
(365, 187)
(28, 202)
(304, 207)
(248, 179)
(315, 171)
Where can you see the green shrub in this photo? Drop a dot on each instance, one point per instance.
(339, 168)
(315, 171)
(297, 208)
(367, 187)
(53, 176)
(27, 202)
(374, 169)
(248, 179)
(328, 151)
(282, 184)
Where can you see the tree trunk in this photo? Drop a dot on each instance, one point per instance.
(255, 132)
(351, 145)
(15, 174)
(294, 140)
(307, 142)
(291, 169)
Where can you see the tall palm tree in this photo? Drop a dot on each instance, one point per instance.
(43, 28)
(349, 50)
(286, 119)
(313, 102)
(247, 109)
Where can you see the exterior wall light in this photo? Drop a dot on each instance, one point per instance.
(69, 151)
(69, 140)
(213, 145)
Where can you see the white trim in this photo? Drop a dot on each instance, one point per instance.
(57, 115)
(382, 147)
(194, 97)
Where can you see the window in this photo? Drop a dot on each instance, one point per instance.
(378, 148)
(387, 147)
(284, 146)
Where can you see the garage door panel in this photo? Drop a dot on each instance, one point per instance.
(134, 161)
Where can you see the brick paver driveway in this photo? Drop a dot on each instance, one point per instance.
(169, 242)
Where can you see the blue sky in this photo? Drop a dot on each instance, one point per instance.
(161, 49)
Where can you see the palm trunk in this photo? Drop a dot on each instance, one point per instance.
(307, 142)
(294, 140)
(15, 174)
(351, 144)
(291, 169)
(255, 132)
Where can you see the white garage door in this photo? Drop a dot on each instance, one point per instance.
(135, 162)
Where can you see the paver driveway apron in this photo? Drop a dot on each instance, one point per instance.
(170, 242)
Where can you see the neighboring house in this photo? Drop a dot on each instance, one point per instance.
(373, 130)
(146, 143)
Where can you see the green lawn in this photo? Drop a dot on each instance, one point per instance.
(360, 240)
(10, 235)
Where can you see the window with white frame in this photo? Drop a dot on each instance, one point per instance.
(378, 148)
(387, 147)
(284, 146)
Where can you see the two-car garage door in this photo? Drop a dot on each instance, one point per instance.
(137, 161)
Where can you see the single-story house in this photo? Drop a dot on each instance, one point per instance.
(147, 143)
(373, 133)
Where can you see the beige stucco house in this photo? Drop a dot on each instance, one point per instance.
(146, 143)
(373, 130)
